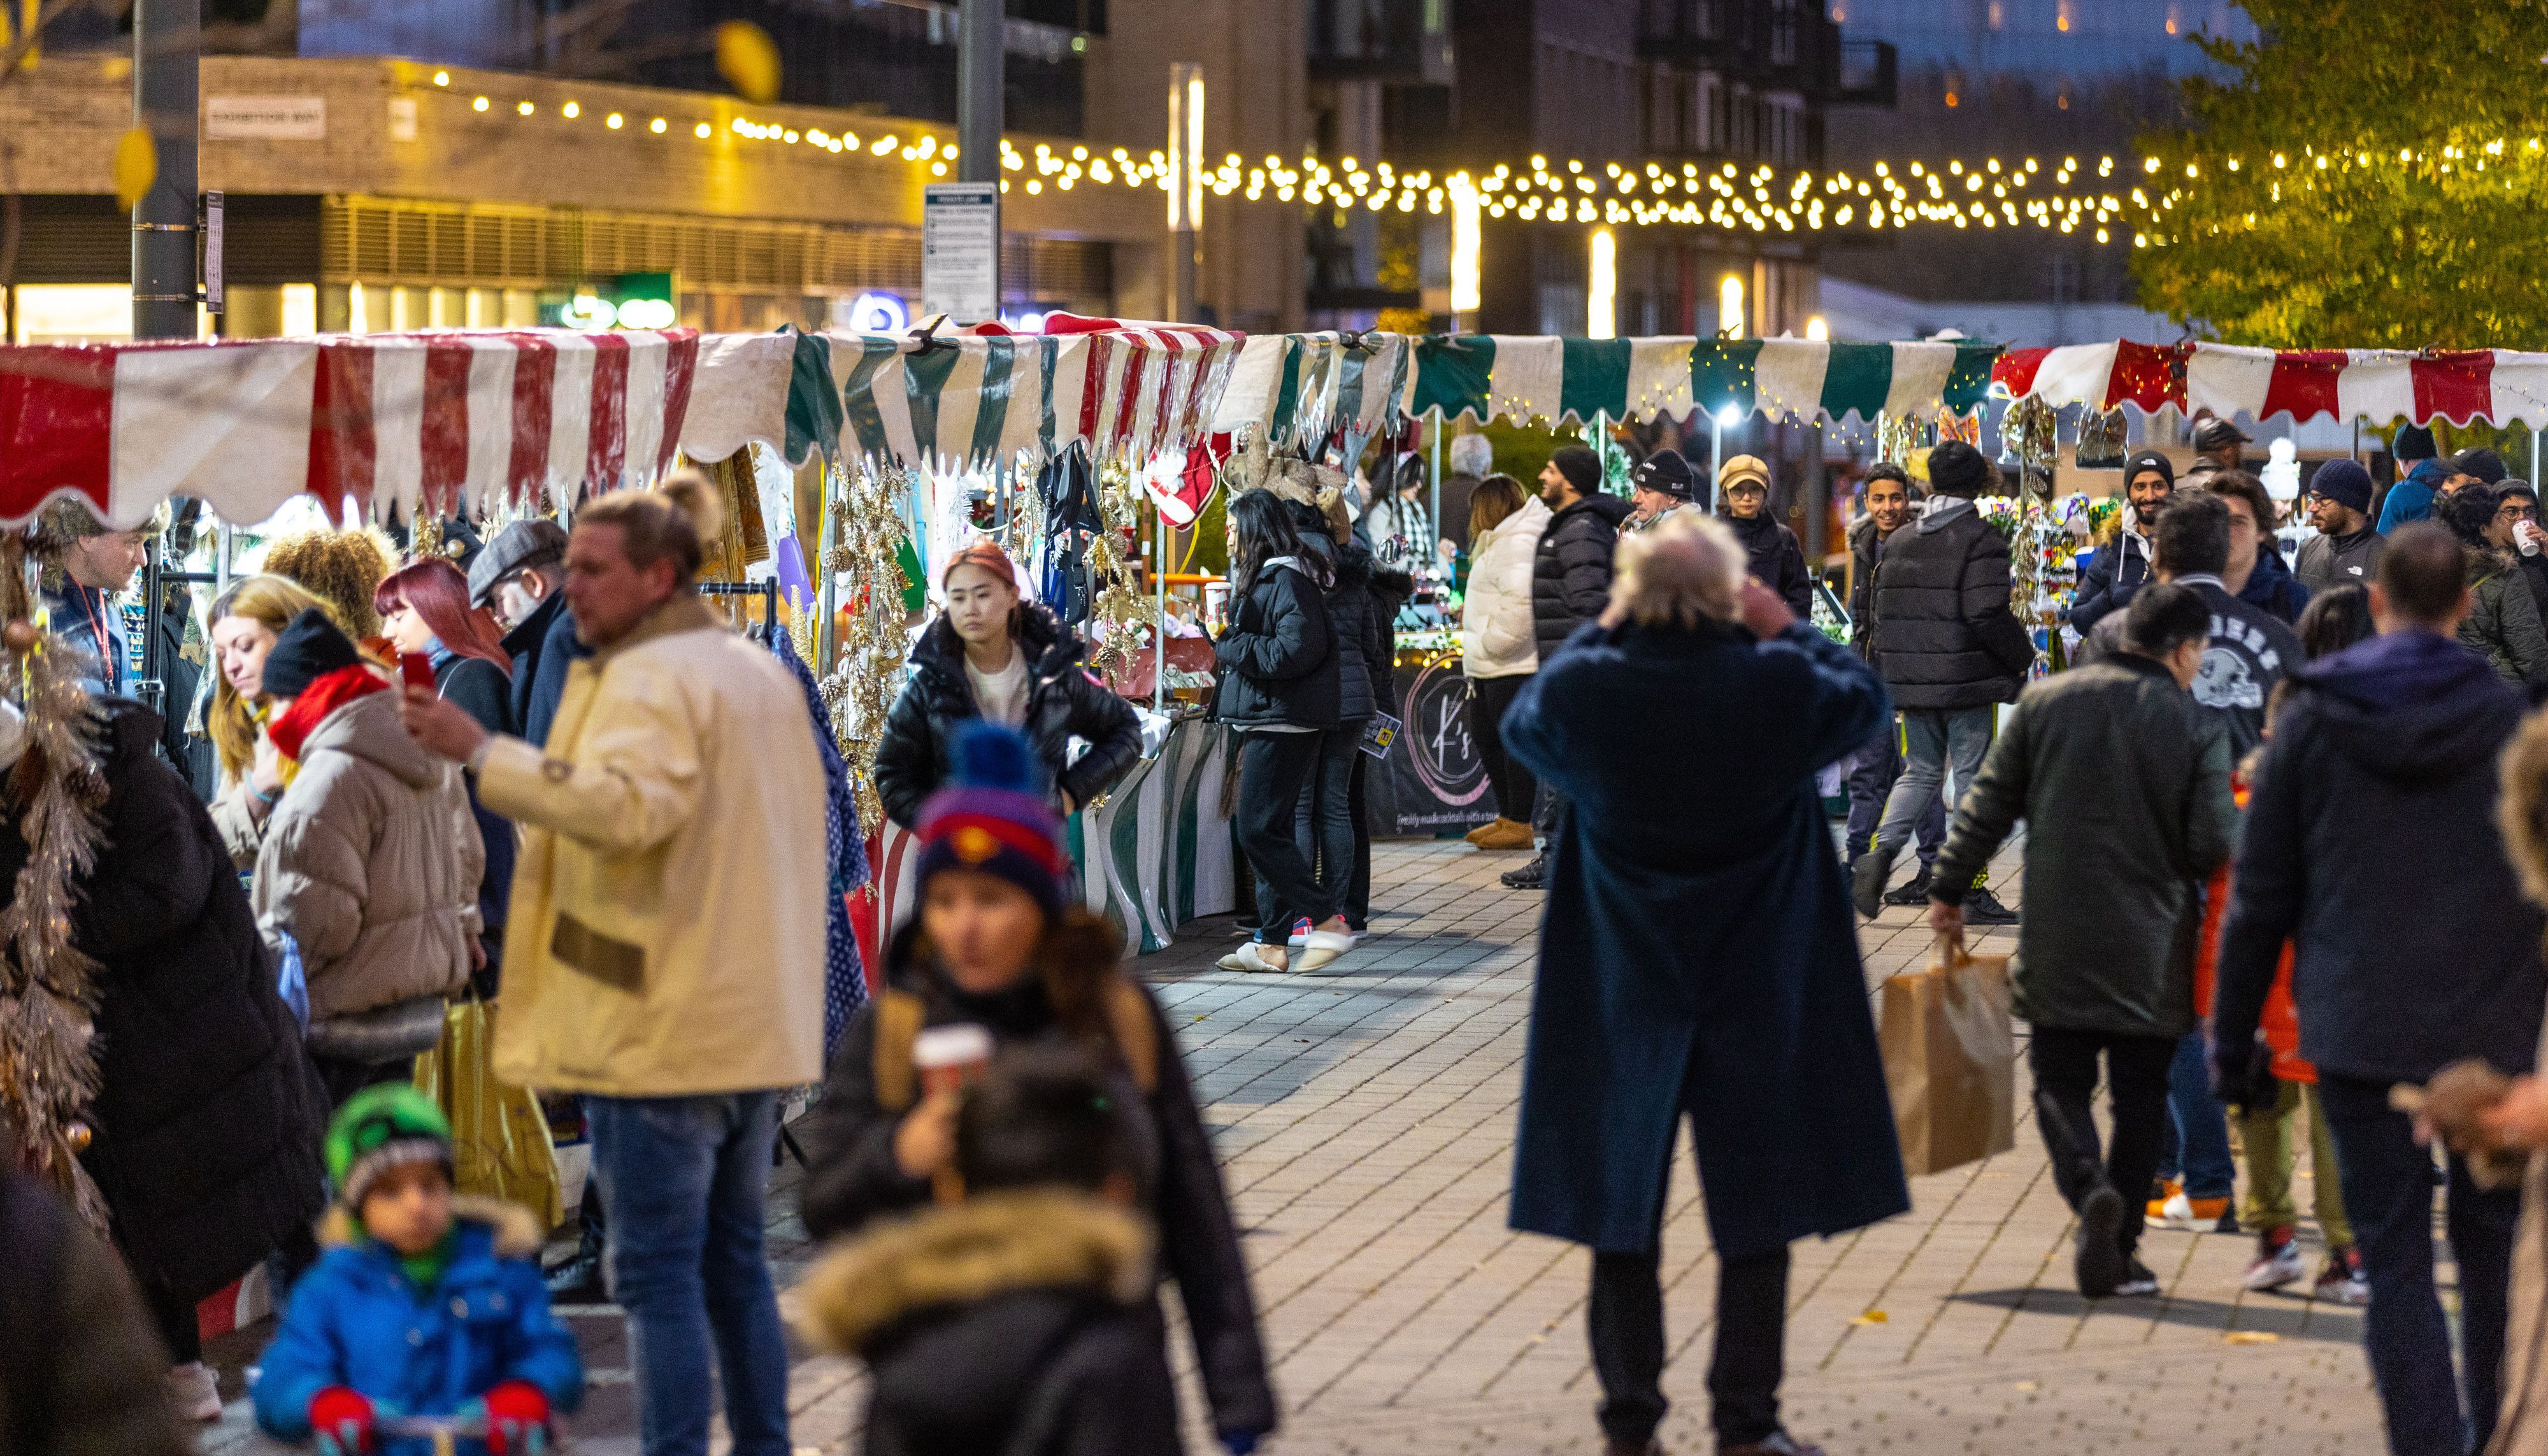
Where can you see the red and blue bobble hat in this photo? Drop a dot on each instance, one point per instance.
(994, 819)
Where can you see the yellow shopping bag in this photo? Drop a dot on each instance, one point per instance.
(500, 1140)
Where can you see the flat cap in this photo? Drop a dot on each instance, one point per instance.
(523, 543)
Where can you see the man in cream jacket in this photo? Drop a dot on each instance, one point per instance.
(664, 956)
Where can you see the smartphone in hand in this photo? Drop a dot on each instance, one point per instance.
(417, 669)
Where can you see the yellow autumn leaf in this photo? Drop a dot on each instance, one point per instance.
(749, 59)
(1872, 1317)
(137, 167)
(2250, 1338)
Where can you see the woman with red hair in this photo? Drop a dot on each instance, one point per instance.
(424, 607)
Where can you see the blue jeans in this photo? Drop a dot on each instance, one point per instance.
(683, 1181)
(2197, 1128)
(1935, 741)
(1870, 782)
(2389, 1195)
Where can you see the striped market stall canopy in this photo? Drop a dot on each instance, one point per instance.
(391, 419)
(1524, 377)
(2496, 386)
(952, 402)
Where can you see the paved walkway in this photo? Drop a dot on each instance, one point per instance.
(1365, 1119)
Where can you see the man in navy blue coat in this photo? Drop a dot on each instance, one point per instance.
(1697, 955)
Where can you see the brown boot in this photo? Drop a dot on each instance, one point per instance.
(1473, 834)
(1504, 834)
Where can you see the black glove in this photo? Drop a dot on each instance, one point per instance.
(2242, 1077)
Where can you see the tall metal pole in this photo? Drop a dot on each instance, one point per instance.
(981, 103)
(167, 44)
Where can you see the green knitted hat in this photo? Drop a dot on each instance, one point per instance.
(383, 1128)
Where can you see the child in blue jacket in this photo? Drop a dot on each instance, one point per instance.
(424, 1304)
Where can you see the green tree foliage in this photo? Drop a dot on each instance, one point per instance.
(2369, 174)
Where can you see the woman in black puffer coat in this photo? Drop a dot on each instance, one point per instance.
(1056, 698)
(208, 1118)
(1362, 605)
(1281, 686)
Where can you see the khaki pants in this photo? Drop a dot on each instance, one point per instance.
(2266, 1140)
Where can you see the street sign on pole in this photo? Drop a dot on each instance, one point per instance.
(213, 207)
(960, 250)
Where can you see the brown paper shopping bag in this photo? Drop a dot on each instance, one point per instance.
(1950, 1059)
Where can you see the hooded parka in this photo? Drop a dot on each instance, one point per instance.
(1497, 638)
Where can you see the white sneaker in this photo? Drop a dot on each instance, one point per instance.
(2275, 1265)
(2177, 1212)
(194, 1391)
(2344, 1280)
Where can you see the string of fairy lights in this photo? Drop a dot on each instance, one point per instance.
(2070, 196)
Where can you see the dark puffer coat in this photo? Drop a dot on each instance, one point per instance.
(917, 756)
(852, 1179)
(1569, 578)
(1776, 560)
(1944, 637)
(1278, 662)
(81, 1371)
(1361, 606)
(208, 1118)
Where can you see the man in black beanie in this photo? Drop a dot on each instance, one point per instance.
(1570, 583)
(2345, 549)
(1951, 650)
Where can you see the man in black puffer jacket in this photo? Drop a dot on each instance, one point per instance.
(1951, 650)
(1570, 583)
(915, 760)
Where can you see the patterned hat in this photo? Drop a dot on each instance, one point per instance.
(381, 1128)
(994, 817)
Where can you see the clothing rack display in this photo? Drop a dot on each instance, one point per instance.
(767, 590)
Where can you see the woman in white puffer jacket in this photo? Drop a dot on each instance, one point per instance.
(1499, 645)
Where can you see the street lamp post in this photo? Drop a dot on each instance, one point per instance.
(1185, 184)
(168, 43)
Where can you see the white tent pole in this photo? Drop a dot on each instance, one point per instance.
(1159, 635)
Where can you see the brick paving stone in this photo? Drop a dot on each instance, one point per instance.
(1366, 1117)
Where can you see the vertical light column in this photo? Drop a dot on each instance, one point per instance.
(1466, 238)
(1602, 290)
(1185, 182)
(1730, 320)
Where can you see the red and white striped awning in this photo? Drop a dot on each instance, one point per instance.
(392, 419)
(2498, 385)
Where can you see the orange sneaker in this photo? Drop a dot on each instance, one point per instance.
(2157, 1213)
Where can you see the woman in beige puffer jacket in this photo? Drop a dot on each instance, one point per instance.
(371, 862)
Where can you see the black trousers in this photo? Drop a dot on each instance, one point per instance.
(1272, 769)
(178, 1328)
(2064, 1063)
(1515, 789)
(1627, 1322)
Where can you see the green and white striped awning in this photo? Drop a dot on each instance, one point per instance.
(1530, 377)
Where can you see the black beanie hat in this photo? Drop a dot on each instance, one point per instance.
(1957, 469)
(2145, 460)
(309, 648)
(1581, 467)
(1665, 473)
(2414, 443)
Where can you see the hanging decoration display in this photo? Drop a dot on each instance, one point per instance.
(2031, 431)
(1120, 617)
(865, 675)
(47, 1000)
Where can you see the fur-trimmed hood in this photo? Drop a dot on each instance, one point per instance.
(516, 1229)
(998, 1243)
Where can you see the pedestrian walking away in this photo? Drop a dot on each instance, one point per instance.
(664, 946)
(1950, 650)
(1697, 960)
(2386, 754)
(2104, 963)
(995, 956)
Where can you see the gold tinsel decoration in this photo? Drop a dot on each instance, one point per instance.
(47, 995)
(874, 644)
(1120, 617)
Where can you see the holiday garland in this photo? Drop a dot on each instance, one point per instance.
(47, 995)
(866, 671)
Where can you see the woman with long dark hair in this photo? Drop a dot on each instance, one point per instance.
(1280, 689)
